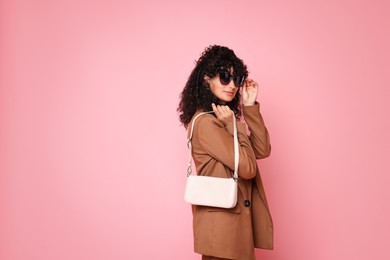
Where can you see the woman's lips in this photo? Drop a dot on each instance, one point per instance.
(229, 93)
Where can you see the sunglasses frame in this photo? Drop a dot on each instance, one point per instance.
(237, 83)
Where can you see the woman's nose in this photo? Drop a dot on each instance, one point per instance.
(231, 84)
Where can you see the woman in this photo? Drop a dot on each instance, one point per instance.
(215, 84)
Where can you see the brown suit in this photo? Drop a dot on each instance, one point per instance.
(232, 233)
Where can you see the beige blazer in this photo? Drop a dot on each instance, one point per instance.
(232, 233)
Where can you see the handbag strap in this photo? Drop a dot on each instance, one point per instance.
(235, 138)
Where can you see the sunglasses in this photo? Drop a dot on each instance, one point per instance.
(225, 78)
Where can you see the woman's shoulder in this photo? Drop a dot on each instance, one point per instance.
(207, 121)
(204, 120)
(203, 117)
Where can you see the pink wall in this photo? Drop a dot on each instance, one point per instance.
(92, 156)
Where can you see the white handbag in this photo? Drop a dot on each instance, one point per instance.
(212, 191)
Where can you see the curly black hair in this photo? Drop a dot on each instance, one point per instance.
(197, 94)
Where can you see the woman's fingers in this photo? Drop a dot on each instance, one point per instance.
(250, 91)
(223, 113)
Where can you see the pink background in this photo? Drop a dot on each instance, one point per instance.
(92, 155)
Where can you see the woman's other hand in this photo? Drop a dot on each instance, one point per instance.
(249, 92)
(223, 113)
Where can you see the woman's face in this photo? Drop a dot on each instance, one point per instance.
(225, 93)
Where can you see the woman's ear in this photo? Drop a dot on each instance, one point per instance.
(207, 79)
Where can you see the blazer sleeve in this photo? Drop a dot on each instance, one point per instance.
(217, 141)
(259, 136)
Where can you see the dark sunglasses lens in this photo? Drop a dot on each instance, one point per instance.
(238, 81)
(224, 78)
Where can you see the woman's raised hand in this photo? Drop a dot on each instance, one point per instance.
(223, 113)
(249, 92)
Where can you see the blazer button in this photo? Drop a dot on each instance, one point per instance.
(247, 203)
